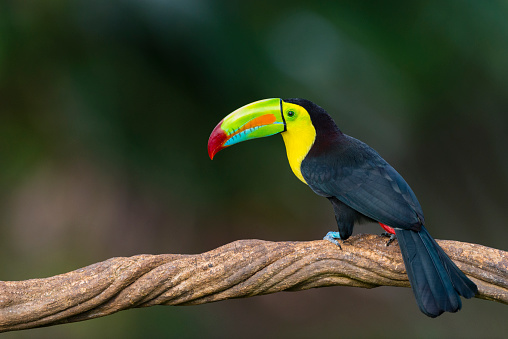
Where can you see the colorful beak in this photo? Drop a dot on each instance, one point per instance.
(256, 120)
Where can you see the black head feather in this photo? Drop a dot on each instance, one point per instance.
(322, 121)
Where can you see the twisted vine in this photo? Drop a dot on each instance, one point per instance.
(240, 269)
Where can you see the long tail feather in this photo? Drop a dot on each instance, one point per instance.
(436, 281)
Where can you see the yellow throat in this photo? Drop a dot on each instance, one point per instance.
(298, 137)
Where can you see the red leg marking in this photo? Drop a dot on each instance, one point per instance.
(387, 228)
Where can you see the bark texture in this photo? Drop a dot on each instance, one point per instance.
(239, 269)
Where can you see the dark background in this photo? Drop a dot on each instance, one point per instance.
(105, 112)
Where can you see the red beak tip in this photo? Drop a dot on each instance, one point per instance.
(213, 150)
(216, 141)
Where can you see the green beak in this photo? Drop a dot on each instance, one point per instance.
(255, 120)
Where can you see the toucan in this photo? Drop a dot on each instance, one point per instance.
(360, 185)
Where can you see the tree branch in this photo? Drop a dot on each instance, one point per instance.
(240, 269)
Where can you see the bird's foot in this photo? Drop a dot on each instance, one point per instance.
(390, 232)
(331, 236)
(391, 236)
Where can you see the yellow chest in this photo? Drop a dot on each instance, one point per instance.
(298, 141)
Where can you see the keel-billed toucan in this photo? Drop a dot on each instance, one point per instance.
(360, 185)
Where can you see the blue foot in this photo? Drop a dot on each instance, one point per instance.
(331, 236)
(392, 238)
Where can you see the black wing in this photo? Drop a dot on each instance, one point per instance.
(356, 174)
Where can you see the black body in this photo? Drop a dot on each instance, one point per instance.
(360, 184)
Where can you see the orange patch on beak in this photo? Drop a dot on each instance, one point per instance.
(263, 120)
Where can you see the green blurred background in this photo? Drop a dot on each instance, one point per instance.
(105, 112)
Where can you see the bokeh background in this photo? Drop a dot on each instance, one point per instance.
(105, 112)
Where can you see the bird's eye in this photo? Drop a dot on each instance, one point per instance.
(291, 113)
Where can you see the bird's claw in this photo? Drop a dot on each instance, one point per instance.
(331, 237)
(392, 238)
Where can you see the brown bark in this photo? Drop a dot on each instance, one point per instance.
(240, 269)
